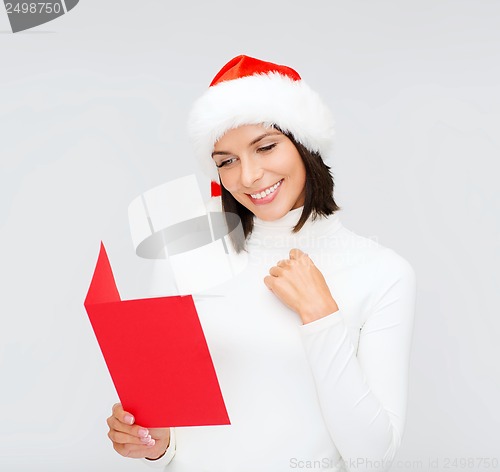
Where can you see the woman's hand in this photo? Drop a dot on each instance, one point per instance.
(131, 440)
(299, 284)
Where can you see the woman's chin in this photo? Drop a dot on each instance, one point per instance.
(269, 212)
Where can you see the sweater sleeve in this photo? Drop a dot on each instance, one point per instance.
(363, 395)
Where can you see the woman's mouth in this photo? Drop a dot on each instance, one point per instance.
(266, 195)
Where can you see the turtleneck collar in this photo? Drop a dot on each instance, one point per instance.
(278, 234)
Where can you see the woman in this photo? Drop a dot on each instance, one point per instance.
(311, 342)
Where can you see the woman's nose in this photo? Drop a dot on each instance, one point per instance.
(250, 172)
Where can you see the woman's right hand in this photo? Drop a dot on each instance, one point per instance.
(131, 440)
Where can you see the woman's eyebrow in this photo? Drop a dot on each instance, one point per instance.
(255, 141)
(221, 153)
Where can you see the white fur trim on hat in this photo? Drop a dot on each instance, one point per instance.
(267, 99)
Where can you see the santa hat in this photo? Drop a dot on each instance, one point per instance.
(250, 91)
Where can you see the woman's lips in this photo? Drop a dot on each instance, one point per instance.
(268, 198)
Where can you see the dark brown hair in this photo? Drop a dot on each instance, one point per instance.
(318, 201)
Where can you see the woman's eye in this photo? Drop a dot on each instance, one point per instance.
(266, 148)
(226, 162)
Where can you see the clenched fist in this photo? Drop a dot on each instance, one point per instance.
(299, 284)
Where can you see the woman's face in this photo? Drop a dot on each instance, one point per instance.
(253, 161)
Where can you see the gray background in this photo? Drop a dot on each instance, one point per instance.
(92, 113)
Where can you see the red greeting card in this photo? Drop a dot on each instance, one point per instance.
(156, 354)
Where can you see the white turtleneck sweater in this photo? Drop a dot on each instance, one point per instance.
(328, 395)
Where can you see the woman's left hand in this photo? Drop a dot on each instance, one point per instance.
(299, 284)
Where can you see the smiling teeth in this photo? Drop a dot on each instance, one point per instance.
(266, 192)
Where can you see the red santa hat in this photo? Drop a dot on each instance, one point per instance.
(250, 91)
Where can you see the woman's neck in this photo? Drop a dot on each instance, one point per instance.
(278, 234)
(289, 220)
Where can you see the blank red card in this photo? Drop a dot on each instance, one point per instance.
(156, 353)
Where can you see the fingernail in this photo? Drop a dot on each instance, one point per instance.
(146, 440)
(129, 419)
(143, 433)
(151, 443)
